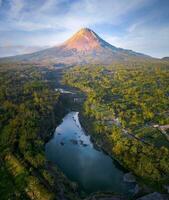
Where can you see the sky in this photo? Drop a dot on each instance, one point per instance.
(29, 25)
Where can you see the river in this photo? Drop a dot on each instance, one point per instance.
(72, 150)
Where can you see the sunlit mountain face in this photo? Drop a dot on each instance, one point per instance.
(84, 47)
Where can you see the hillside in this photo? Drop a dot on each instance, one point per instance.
(84, 47)
(165, 59)
(126, 111)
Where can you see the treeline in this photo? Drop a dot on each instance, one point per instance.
(30, 109)
(125, 102)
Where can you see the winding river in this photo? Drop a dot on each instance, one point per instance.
(72, 150)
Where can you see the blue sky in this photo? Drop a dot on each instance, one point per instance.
(140, 25)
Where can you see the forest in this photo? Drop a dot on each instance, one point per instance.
(30, 109)
(124, 108)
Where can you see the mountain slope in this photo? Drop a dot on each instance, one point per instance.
(82, 48)
(165, 58)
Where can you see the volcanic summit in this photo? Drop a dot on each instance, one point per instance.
(84, 47)
(84, 40)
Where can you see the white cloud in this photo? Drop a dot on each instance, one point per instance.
(80, 13)
(10, 50)
(16, 6)
(149, 40)
(65, 19)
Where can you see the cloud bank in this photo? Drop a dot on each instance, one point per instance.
(140, 25)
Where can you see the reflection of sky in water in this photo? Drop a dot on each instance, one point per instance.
(91, 168)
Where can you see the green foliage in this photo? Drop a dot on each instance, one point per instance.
(124, 103)
(30, 109)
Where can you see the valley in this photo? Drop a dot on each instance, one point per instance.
(84, 120)
(48, 94)
(73, 151)
(30, 111)
(121, 115)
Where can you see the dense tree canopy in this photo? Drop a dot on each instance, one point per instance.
(30, 109)
(125, 102)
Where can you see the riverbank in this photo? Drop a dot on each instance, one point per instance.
(27, 123)
(102, 145)
(99, 141)
(143, 186)
(70, 104)
(70, 147)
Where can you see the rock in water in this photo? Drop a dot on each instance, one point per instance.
(129, 177)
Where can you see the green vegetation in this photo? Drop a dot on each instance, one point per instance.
(30, 109)
(124, 103)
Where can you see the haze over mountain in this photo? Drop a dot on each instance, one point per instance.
(165, 58)
(10, 50)
(84, 47)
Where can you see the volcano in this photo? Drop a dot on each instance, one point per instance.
(84, 47)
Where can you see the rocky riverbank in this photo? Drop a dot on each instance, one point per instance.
(141, 190)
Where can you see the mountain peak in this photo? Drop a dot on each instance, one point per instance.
(84, 47)
(84, 40)
(85, 30)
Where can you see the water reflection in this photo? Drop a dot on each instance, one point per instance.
(72, 150)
